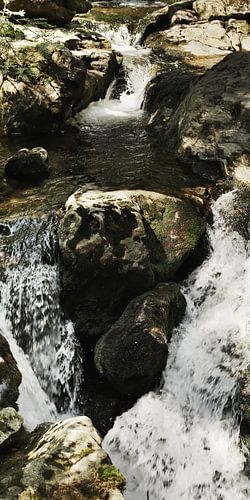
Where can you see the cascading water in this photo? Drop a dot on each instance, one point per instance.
(32, 321)
(183, 442)
(137, 72)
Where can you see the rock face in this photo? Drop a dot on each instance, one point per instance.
(201, 33)
(211, 128)
(10, 377)
(220, 8)
(63, 460)
(56, 11)
(134, 351)
(10, 424)
(28, 164)
(49, 76)
(117, 245)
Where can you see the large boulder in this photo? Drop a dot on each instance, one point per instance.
(210, 130)
(28, 164)
(117, 245)
(56, 11)
(134, 351)
(48, 77)
(63, 460)
(10, 377)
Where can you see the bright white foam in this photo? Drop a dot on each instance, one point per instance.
(183, 443)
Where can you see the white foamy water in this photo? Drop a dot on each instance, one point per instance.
(137, 73)
(182, 443)
(43, 344)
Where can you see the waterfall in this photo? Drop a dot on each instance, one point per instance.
(42, 342)
(182, 442)
(136, 73)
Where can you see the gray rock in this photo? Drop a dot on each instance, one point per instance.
(10, 424)
(10, 377)
(117, 245)
(28, 164)
(134, 351)
(62, 460)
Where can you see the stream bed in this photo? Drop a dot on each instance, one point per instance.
(182, 441)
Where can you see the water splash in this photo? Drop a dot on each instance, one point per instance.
(183, 442)
(44, 344)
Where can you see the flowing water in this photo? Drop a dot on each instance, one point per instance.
(183, 442)
(43, 344)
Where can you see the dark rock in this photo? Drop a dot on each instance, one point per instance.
(117, 245)
(28, 164)
(134, 351)
(10, 377)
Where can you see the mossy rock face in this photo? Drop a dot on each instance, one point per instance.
(134, 351)
(60, 461)
(10, 377)
(44, 83)
(117, 245)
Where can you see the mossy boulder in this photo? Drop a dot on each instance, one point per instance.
(10, 377)
(133, 353)
(59, 461)
(117, 245)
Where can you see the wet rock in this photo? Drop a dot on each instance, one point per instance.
(210, 129)
(28, 164)
(56, 11)
(63, 460)
(10, 377)
(117, 245)
(10, 424)
(134, 351)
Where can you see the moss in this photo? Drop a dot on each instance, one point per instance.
(111, 477)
